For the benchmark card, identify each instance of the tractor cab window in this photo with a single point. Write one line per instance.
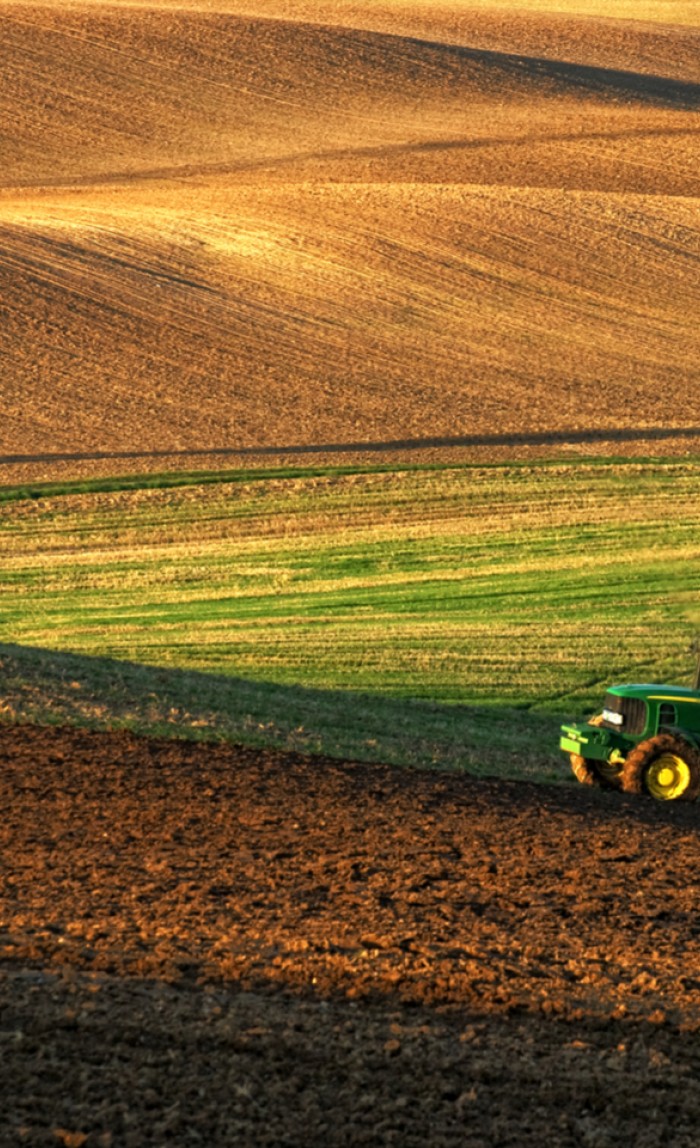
(667, 714)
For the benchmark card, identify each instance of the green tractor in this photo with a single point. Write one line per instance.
(646, 740)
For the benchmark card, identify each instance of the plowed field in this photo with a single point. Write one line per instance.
(240, 231)
(207, 944)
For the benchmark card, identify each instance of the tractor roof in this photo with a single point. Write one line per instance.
(655, 691)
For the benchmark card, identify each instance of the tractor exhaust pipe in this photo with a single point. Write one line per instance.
(695, 649)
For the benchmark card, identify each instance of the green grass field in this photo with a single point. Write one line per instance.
(448, 616)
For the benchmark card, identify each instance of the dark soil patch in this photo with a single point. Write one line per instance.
(213, 945)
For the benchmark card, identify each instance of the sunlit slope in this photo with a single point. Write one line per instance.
(647, 36)
(341, 314)
(224, 232)
(105, 94)
(359, 13)
(114, 94)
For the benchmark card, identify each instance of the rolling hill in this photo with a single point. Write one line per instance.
(275, 230)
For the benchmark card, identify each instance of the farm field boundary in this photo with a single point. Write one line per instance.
(167, 479)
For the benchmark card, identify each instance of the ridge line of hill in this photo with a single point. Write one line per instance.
(467, 143)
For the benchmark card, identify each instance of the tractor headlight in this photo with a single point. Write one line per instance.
(613, 718)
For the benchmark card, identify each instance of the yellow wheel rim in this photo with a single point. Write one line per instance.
(668, 777)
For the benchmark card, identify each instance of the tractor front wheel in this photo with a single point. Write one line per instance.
(583, 770)
(597, 773)
(666, 767)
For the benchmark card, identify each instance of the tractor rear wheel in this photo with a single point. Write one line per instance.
(666, 767)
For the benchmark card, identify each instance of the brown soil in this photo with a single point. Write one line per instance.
(236, 236)
(213, 945)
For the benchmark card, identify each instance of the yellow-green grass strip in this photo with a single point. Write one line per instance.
(448, 616)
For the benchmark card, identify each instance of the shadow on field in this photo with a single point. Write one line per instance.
(245, 1068)
(583, 79)
(46, 686)
(527, 438)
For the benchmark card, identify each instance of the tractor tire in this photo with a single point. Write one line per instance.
(584, 771)
(597, 773)
(665, 767)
